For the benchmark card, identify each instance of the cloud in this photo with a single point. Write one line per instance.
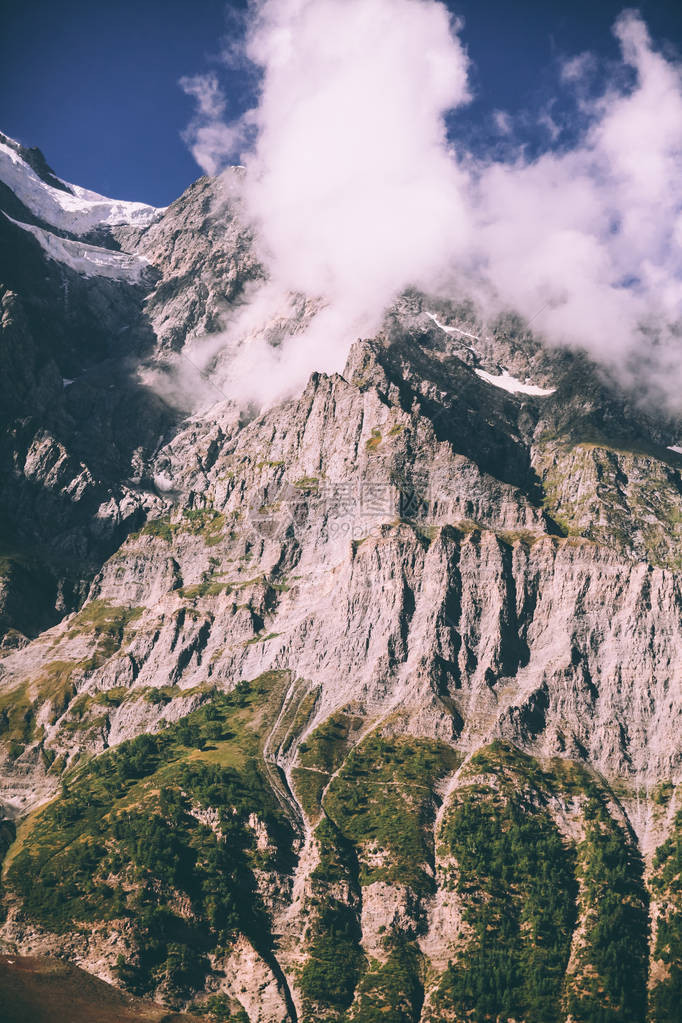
(350, 180)
(503, 122)
(211, 102)
(588, 239)
(211, 141)
(357, 192)
(351, 175)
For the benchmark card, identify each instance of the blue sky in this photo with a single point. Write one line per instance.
(95, 85)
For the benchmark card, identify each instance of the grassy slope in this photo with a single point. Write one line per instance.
(127, 841)
(555, 926)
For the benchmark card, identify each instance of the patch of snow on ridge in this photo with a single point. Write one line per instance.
(452, 330)
(88, 260)
(77, 211)
(675, 448)
(513, 385)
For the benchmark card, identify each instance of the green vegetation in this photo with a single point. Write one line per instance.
(111, 697)
(78, 721)
(334, 959)
(392, 992)
(523, 887)
(338, 857)
(160, 528)
(221, 1009)
(516, 882)
(262, 637)
(326, 747)
(128, 838)
(107, 623)
(309, 786)
(382, 800)
(82, 711)
(524, 536)
(56, 686)
(256, 580)
(18, 707)
(666, 885)
(16, 715)
(301, 703)
(375, 440)
(207, 523)
(319, 756)
(627, 498)
(335, 971)
(663, 793)
(164, 694)
(426, 533)
(377, 826)
(304, 712)
(206, 588)
(8, 834)
(610, 986)
(158, 834)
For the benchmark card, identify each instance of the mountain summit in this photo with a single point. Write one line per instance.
(362, 706)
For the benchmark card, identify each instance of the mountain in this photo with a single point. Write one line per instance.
(362, 707)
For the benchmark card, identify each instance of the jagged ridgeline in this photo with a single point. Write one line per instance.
(363, 709)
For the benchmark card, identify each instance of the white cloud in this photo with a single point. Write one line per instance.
(503, 122)
(591, 233)
(351, 175)
(211, 102)
(211, 140)
(576, 69)
(357, 192)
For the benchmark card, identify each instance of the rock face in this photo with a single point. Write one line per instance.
(365, 707)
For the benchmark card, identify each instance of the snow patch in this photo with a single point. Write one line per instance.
(88, 260)
(513, 385)
(675, 448)
(78, 210)
(452, 330)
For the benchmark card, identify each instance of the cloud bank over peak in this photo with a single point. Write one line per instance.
(358, 192)
(590, 236)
